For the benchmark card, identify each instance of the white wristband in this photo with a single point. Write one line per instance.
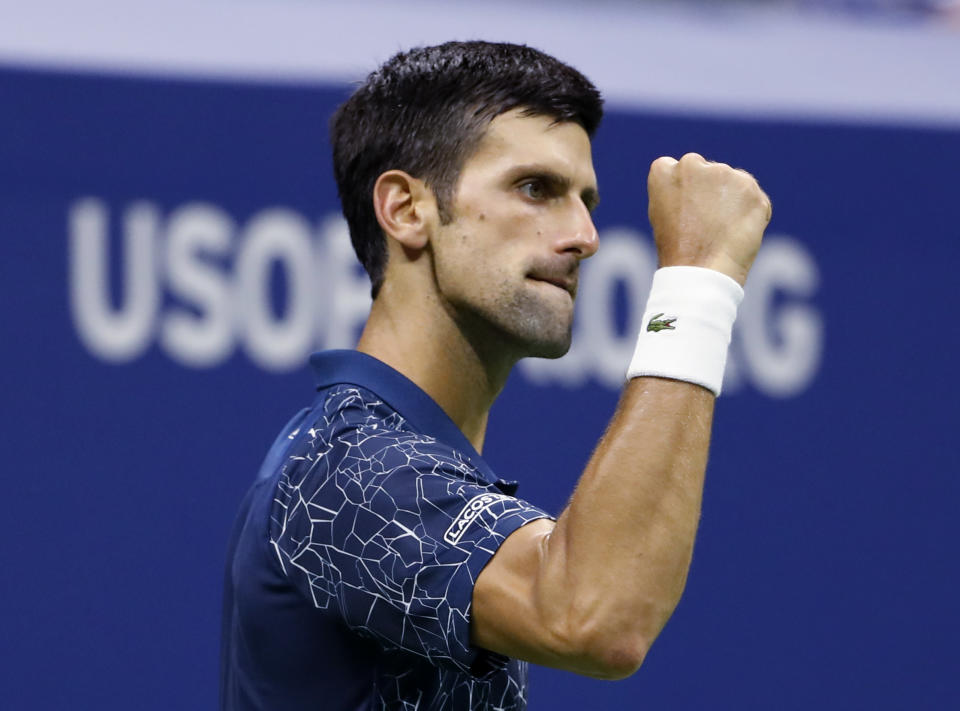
(686, 326)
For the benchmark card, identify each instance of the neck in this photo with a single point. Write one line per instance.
(431, 349)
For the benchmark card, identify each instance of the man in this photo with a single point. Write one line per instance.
(378, 563)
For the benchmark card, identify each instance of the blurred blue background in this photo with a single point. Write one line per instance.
(172, 252)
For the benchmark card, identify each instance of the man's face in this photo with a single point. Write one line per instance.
(506, 265)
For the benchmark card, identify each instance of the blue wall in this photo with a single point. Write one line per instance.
(139, 398)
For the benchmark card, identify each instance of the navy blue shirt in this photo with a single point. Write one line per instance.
(351, 566)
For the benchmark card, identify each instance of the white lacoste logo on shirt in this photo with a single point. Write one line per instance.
(475, 506)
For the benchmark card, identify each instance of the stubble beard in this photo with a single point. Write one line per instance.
(519, 323)
(539, 331)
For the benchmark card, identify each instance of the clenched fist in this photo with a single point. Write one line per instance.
(706, 214)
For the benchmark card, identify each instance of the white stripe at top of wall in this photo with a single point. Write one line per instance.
(732, 62)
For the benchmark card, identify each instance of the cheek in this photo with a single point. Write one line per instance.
(476, 266)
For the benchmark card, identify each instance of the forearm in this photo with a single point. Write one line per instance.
(614, 567)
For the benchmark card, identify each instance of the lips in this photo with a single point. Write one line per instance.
(559, 270)
(567, 283)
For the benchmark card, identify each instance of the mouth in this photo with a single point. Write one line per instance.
(568, 284)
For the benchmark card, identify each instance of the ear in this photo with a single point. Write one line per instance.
(406, 208)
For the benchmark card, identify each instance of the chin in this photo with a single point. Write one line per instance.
(544, 335)
(537, 329)
(525, 325)
(548, 348)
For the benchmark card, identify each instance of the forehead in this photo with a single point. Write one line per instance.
(514, 139)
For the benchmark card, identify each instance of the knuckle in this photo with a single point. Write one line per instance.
(725, 170)
(661, 170)
(747, 182)
(692, 163)
(760, 199)
(662, 164)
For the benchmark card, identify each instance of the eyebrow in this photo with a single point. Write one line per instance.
(590, 196)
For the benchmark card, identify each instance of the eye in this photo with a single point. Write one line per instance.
(533, 189)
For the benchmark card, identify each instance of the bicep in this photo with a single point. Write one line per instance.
(524, 606)
(516, 610)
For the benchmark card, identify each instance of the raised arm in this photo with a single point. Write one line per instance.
(592, 592)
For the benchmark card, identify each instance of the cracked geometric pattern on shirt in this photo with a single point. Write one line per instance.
(358, 522)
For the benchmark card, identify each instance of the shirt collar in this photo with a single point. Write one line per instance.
(404, 396)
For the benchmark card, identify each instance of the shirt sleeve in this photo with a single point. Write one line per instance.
(391, 530)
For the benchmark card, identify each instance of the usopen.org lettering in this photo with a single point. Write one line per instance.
(202, 286)
(476, 506)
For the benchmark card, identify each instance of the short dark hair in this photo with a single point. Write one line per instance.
(425, 112)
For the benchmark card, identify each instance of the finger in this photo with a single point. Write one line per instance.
(663, 163)
(661, 169)
(695, 159)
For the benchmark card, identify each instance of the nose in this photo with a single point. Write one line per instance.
(579, 235)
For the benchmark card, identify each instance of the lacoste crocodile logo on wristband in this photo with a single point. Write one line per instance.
(658, 324)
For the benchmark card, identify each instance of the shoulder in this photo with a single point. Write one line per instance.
(352, 406)
(353, 438)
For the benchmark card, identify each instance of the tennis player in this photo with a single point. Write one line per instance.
(377, 562)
